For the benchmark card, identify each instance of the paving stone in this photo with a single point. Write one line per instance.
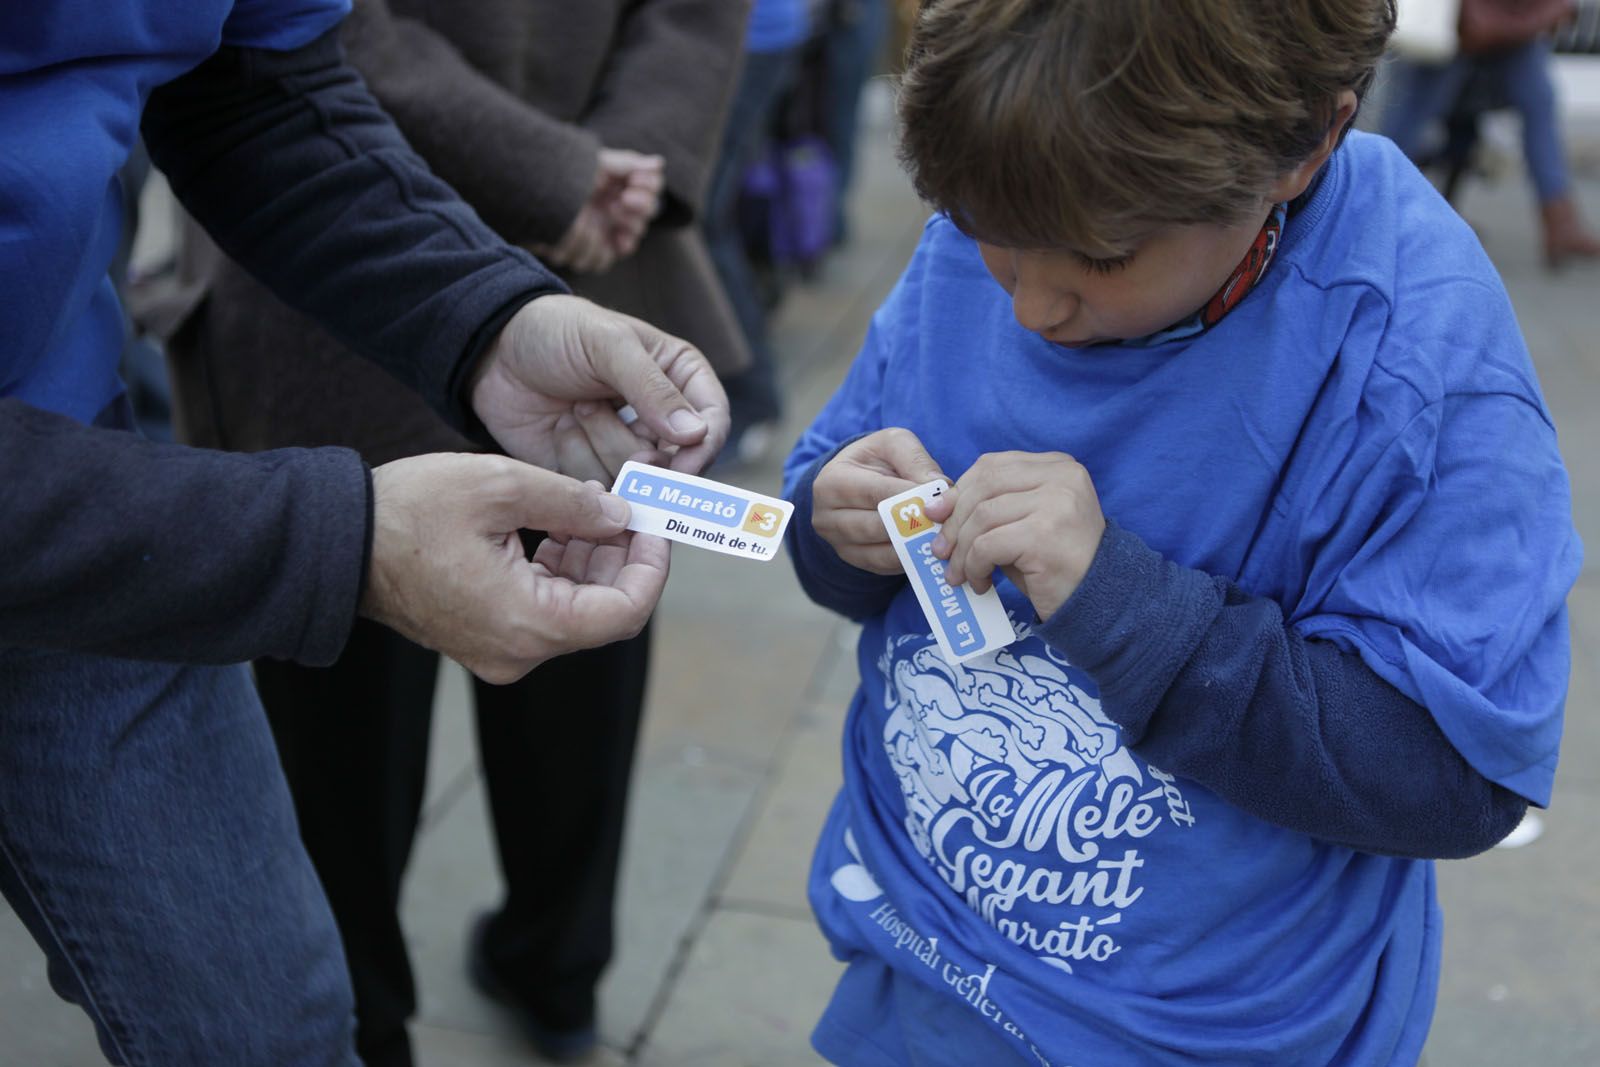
(748, 996)
(1580, 742)
(1522, 936)
(452, 878)
(440, 1047)
(435, 1046)
(682, 822)
(725, 682)
(36, 1026)
(776, 853)
(453, 746)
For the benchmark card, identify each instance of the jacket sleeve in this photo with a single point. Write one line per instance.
(826, 578)
(524, 171)
(119, 546)
(1212, 684)
(291, 165)
(666, 90)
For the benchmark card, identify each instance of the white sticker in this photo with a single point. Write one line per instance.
(701, 512)
(966, 624)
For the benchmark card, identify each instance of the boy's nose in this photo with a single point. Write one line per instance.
(1040, 308)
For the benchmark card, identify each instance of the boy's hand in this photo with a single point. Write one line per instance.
(845, 496)
(1034, 515)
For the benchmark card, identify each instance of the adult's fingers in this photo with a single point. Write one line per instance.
(601, 613)
(536, 499)
(686, 405)
(611, 440)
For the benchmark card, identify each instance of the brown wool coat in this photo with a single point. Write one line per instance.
(509, 101)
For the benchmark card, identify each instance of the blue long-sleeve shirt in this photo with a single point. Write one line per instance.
(1324, 634)
(1212, 684)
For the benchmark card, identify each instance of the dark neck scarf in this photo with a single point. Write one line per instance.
(1251, 269)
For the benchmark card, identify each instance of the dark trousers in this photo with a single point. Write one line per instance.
(556, 750)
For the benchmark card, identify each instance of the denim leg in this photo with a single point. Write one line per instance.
(854, 42)
(148, 843)
(754, 393)
(1525, 73)
(1418, 95)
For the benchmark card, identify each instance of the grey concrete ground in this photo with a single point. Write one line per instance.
(720, 964)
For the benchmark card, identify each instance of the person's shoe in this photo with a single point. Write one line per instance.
(552, 1044)
(748, 445)
(1564, 234)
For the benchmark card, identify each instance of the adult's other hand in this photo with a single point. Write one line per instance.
(551, 383)
(448, 569)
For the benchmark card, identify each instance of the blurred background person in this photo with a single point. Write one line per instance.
(586, 133)
(777, 31)
(1505, 51)
(854, 43)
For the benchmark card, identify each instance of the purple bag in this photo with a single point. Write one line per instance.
(789, 203)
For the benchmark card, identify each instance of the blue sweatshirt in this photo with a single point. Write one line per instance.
(120, 547)
(1151, 836)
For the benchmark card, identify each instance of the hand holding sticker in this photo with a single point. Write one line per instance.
(701, 512)
(966, 623)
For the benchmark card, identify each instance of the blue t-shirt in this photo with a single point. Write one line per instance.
(1363, 441)
(74, 78)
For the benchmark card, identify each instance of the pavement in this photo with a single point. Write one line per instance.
(719, 963)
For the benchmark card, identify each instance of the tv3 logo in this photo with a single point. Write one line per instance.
(909, 517)
(762, 520)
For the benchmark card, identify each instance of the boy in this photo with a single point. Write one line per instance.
(1239, 409)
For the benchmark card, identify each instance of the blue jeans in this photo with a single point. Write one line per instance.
(855, 40)
(763, 80)
(148, 843)
(1422, 93)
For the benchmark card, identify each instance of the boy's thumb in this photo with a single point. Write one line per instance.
(907, 456)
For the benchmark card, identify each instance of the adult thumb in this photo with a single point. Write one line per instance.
(538, 499)
(631, 364)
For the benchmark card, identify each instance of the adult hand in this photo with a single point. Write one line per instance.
(1034, 515)
(550, 385)
(633, 195)
(845, 496)
(586, 247)
(448, 569)
(609, 226)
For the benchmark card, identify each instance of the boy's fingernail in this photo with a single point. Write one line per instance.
(940, 545)
(615, 508)
(685, 421)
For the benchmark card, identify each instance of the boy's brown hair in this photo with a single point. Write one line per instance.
(1087, 124)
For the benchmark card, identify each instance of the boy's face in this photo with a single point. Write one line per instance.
(1073, 301)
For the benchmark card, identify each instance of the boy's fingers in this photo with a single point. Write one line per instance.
(879, 559)
(974, 519)
(993, 548)
(854, 526)
(868, 489)
(904, 454)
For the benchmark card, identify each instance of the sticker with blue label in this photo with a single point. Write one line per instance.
(701, 512)
(966, 624)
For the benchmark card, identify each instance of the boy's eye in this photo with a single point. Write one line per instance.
(1102, 266)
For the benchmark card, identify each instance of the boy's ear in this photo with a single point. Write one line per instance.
(1292, 183)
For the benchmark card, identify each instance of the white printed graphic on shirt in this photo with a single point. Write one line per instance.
(1021, 795)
